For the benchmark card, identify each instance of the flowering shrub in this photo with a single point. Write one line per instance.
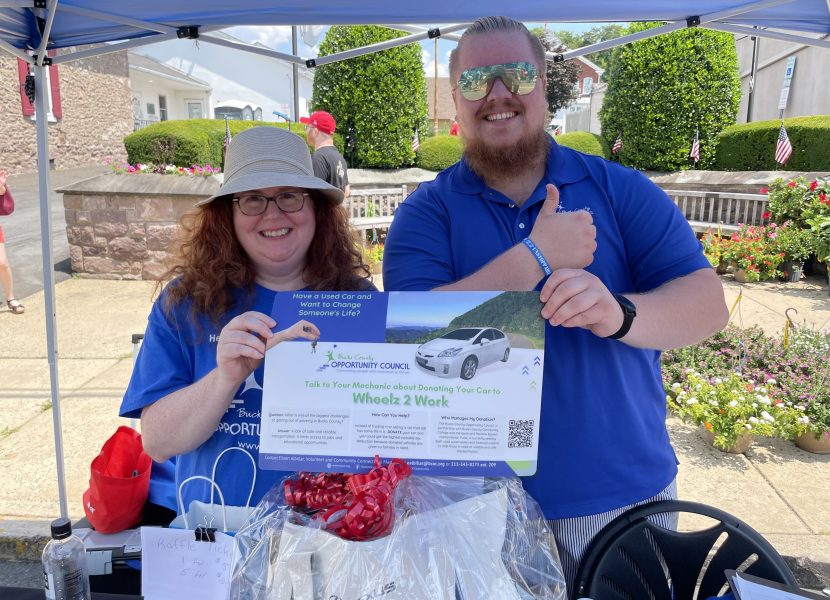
(798, 200)
(373, 254)
(198, 170)
(794, 242)
(730, 406)
(801, 370)
(755, 249)
(807, 380)
(714, 248)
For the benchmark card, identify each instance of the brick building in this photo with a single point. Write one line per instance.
(89, 113)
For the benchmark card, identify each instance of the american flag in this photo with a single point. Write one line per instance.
(695, 153)
(615, 149)
(416, 143)
(783, 148)
(227, 139)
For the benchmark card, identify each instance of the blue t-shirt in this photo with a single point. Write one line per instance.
(174, 355)
(603, 443)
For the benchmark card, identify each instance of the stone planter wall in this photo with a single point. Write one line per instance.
(124, 226)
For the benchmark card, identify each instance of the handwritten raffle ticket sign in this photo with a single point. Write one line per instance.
(449, 381)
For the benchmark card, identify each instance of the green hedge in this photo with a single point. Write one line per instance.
(194, 141)
(583, 141)
(751, 147)
(438, 152)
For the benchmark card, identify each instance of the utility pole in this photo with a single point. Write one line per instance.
(296, 73)
(435, 90)
(752, 75)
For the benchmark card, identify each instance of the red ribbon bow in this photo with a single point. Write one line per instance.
(355, 507)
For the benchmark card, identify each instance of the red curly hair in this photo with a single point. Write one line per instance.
(210, 261)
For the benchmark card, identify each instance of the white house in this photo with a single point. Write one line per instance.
(162, 93)
(236, 78)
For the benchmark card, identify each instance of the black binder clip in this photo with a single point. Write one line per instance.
(205, 534)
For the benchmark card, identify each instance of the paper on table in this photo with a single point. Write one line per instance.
(175, 565)
(129, 539)
(749, 590)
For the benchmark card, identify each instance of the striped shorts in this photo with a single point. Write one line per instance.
(574, 535)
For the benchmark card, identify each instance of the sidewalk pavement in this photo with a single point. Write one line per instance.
(779, 490)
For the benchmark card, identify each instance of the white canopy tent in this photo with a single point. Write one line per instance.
(36, 26)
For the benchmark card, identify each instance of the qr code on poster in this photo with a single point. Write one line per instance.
(520, 433)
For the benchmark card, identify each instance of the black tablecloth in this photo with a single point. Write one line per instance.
(11, 593)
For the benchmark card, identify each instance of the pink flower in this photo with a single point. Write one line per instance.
(814, 185)
(792, 184)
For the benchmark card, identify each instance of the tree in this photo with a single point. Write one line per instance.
(574, 40)
(661, 89)
(562, 76)
(380, 96)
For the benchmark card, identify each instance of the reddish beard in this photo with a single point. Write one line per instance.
(510, 162)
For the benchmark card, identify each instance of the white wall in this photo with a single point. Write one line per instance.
(234, 74)
(149, 87)
(808, 88)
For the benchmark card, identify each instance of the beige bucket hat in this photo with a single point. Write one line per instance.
(263, 157)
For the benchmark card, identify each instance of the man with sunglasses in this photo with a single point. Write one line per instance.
(620, 274)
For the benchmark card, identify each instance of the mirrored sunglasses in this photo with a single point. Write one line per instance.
(519, 77)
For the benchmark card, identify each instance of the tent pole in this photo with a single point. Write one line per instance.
(295, 72)
(42, 92)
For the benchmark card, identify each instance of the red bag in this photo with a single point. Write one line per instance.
(118, 483)
(6, 203)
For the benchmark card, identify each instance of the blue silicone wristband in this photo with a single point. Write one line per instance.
(537, 254)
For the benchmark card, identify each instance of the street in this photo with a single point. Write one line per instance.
(22, 229)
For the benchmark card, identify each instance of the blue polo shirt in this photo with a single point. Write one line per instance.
(603, 443)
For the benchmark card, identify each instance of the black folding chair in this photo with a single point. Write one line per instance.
(632, 558)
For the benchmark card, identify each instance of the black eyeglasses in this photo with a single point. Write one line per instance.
(256, 204)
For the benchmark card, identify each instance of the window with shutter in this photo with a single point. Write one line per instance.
(52, 84)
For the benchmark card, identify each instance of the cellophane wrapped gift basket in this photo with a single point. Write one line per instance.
(387, 535)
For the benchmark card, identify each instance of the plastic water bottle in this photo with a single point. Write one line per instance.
(65, 573)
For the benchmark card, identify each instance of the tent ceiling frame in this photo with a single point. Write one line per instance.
(117, 47)
(691, 21)
(252, 49)
(822, 42)
(452, 37)
(137, 23)
(40, 53)
(16, 52)
(402, 41)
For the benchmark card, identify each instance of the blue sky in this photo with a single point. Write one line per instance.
(279, 38)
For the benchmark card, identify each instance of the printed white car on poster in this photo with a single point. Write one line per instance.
(461, 352)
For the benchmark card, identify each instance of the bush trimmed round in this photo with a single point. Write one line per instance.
(587, 143)
(194, 141)
(439, 152)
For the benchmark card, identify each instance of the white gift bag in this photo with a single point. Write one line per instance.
(209, 514)
(313, 563)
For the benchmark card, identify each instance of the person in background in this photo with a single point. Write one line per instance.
(620, 274)
(6, 279)
(197, 384)
(329, 164)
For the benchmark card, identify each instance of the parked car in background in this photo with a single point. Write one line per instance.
(461, 352)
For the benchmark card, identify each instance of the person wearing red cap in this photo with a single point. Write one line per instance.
(328, 163)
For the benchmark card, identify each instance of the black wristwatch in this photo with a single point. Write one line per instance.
(629, 312)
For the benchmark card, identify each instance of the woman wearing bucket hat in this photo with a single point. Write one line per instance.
(197, 384)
